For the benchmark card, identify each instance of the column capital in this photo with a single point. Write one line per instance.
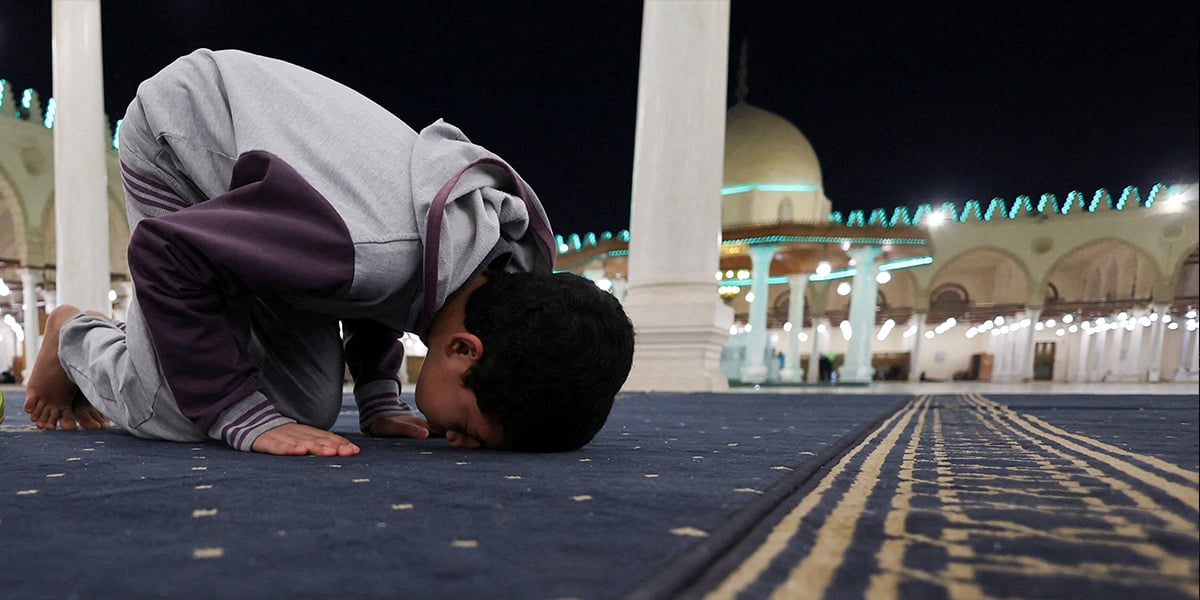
(864, 253)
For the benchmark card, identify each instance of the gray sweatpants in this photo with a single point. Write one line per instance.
(299, 353)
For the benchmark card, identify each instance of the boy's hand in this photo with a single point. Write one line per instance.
(409, 426)
(294, 439)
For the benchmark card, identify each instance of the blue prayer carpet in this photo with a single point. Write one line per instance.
(681, 495)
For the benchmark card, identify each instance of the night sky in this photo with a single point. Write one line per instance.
(904, 102)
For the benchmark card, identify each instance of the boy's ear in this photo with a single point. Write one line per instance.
(464, 345)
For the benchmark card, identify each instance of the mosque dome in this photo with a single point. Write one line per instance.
(763, 148)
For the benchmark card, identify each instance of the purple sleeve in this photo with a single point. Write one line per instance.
(272, 233)
(373, 350)
(374, 356)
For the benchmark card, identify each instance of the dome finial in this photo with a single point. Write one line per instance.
(743, 74)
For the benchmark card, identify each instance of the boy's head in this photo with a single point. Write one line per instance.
(540, 356)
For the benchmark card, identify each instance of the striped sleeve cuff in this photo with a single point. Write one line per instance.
(241, 424)
(378, 399)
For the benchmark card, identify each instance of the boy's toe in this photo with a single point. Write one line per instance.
(67, 420)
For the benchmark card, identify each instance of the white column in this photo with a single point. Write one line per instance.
(80, 204)
(1027, 344)
(857, 366)
(1157, 335)
(914, 362)
(791, 367)
(619, 287)
(1082, 368)
(996, 349)
(1116, 353)
(31, 325)
(1195, 359)
(754, 370)
(679, 150)
(1133, 356)
(1003, 365)
(1180, 372)
(820, 334)
(1012, 346)
(1099, 356)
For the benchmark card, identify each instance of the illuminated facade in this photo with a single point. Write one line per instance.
(1086, 287)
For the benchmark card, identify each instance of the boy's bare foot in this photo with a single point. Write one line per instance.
(51, 399)
(294, 439)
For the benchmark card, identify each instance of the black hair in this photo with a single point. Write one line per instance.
(556, 350)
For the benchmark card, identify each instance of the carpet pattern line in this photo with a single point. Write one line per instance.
(963, 497)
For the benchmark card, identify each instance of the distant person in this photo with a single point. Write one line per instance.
(270, 205)
(824, 369)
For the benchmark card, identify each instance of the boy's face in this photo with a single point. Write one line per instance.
(450, 407)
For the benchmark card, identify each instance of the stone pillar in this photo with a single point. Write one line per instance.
(914, 362)
(1099, 356)
(820, 333)
(619, 287)
(1116, 353)
(1194, 368)
(32, 324)
(1157, 334)
(754, 370)
(857, 366)
(679, 146)
(1003, 365)
(1081, 362)
(1133, 357)
(791, 369)
(80, 190)
(1027, 344)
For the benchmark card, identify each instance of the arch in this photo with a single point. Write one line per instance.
(781, 301)
(1103, 269)
(11, 206)
(904, 288)
(991, 275)
(1186, 274)
(1052, 294)
(949, 293)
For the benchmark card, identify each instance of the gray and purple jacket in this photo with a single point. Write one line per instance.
(274, 181)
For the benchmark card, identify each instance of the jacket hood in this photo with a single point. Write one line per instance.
(468, 202)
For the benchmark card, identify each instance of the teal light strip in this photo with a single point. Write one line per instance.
(840, 274)
(891, 265)
(769, 187)
(822, 239)
(904, 263)
(777, 280)
(51, 109)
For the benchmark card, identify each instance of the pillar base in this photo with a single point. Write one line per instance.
(755, 374)
(855, 373)
(1182, 374)
(791, 375)
(681, 330)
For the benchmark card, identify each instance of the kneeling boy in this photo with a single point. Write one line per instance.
(285, 227)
